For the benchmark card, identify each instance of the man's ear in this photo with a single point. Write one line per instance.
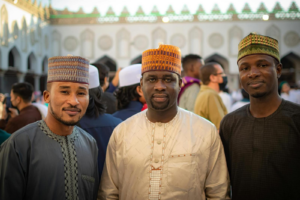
(46, 95)
(279, 70)
(141, 81)
(180, 82)
(139, 90)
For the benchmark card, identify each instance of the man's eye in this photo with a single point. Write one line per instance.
(152, 80)
(168, 80)
(81, 93)
(63, 92)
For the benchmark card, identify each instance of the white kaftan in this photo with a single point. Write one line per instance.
(183, 159)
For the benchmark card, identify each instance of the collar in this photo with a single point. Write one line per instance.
(207, 88)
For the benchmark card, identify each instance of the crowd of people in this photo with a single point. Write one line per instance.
(154, 131)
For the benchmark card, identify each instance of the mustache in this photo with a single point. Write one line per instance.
(74, 109)
(160, 95)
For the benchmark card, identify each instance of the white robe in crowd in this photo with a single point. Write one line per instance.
(182, 159)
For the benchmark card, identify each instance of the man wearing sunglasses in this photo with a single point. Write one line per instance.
(208, 103)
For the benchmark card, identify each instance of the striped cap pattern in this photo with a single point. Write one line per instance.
(68, 69)
(165, 58)
(258, 44)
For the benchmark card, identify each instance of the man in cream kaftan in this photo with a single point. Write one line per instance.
(164, 152)
(192, 165)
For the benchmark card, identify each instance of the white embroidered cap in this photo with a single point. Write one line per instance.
(94, 77)
(130, 75)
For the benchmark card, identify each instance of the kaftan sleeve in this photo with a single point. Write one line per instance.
(109, 184)
(96, 171)
(12, 175)
(217, 183)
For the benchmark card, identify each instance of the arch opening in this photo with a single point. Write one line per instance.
(290, 69)
(14, 58)
(219, 59)
(136, 60)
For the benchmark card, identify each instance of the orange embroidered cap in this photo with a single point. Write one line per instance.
(165, 58)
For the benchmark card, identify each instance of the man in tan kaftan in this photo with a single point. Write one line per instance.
(164, 152)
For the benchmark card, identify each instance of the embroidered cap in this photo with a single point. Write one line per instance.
(165, 58)
(68, 69)
(258, 44)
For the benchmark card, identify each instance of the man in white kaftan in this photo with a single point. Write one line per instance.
(152, 158)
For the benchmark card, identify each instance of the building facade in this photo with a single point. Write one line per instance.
(118, 40)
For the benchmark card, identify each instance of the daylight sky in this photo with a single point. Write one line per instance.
(162, 5)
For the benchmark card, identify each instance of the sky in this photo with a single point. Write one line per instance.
(162, 5)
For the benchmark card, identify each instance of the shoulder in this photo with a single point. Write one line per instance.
(26, 133)
(188, 117)
(111, 119)
(237, 114)
(291, 107)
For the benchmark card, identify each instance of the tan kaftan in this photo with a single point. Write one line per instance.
(182, 159)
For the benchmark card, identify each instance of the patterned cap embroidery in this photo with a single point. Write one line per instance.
(258, 44)
(165, 58)
(68, 69)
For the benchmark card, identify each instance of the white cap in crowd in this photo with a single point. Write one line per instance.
(130, 75)
(94, 77)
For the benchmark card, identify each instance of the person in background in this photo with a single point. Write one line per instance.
(164, 152)
(36, 101)
(209, 103)
(242, 102)
(261, 140)
(225, 96)
(191, 82)
(21, 95)
(53, 158)
(289, 94)
(3, 134)
(129, 95)
(95, 121)
(107, 98)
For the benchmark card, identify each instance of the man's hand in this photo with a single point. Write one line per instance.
(115, 80)
(4, 113)
(13, 112)
(2, 97)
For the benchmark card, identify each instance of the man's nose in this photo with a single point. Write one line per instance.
(160, 85)
(254, 72)
(73, 100)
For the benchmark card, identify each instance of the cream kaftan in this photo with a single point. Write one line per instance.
(183, 159)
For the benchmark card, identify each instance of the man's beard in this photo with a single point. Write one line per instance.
(160, 108)
(72, 123)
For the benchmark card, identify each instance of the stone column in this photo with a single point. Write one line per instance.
(2, 72)
(21, 77)
(37, 82)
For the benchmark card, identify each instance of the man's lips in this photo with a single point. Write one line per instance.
(72, 111)
(160, 97)
(255, 84)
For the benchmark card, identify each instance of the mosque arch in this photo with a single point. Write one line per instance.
(290, 68)
(14, 58)
(136, 60)
(24, 39)
(219, 59)
(43, 77)
(235, 36)
(56, 43)
(32, 63)
(159, 35)
(10, 77)
(195, 41)
(87, 39)
(4, 32)
(109, 62)
(123, 43)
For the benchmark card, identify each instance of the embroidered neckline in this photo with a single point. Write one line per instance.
(58, 138)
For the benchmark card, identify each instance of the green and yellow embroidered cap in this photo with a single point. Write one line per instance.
(258, 44)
